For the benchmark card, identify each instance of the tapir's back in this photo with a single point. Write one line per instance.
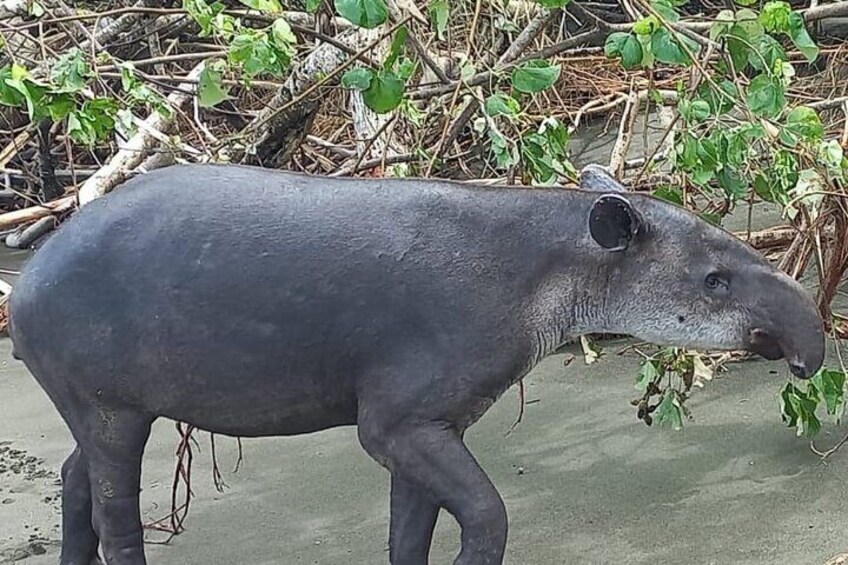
(235, 275)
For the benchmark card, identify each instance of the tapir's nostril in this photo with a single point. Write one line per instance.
(798, 368)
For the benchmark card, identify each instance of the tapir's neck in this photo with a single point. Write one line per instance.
(571, 278)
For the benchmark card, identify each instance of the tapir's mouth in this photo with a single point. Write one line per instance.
(764, 344)
(769, 347)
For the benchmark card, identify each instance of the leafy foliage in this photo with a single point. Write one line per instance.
(363, 13)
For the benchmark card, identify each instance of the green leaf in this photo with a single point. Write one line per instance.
(363, 13)
(9, 96)
(385, 92)
(313, 5)
(775, 17)
(721, 24)
(748, 26)
(505, 151)
(93, 122)
(746, 2)
(832, 156)
(500, 104)
(670, 411)
(645, 26)
(647, 374)
(262, 51)
(719, 103)
(666, 9)
(265, 6)
(831, 385)
(282, 33)
(666, 49)
(766, 96)
(669, 193)
(211, 90)
(626, 46)
(545, 152)
(203, 14)
(767, 54)
(694, 111)
(733, 183)
(708, 153)
(439, 13)
(739, 52)
(805, 123)
(802, 40)
(359, 78)
(60, 105)
(71, 71)
(405, 69)
(766, 188)
(33, 94)
(535, 76)
(554, 3)
(398, 41)
(799, 411)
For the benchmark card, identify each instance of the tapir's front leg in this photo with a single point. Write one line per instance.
(413, 518)
(432, 457)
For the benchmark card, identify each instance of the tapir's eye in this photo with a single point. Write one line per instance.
(714, 281)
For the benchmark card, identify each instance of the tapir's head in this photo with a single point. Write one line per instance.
(680, 281)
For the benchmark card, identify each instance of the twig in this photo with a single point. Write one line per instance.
(521, 404)
(625, 134)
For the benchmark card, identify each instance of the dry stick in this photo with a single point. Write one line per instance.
(625, 134)
(136, 149)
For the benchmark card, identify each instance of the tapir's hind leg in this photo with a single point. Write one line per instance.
(113, 442)
(433, 457)
(413, 518)
(79, 542)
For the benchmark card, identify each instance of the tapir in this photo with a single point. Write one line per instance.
(254, 302)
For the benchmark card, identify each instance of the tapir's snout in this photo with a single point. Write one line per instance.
(788, 327)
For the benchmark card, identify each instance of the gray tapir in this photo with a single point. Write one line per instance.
(253, 302)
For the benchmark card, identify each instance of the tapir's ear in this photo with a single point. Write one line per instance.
(596, 178)
(613, 223)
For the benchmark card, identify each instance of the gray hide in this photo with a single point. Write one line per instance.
(253, 302)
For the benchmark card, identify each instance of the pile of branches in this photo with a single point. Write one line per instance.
(94, 92)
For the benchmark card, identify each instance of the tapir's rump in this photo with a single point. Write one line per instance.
(254, 302)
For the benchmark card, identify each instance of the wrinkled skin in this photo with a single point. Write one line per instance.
(254, 303)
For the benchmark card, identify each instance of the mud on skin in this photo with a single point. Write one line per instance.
(403, 307)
